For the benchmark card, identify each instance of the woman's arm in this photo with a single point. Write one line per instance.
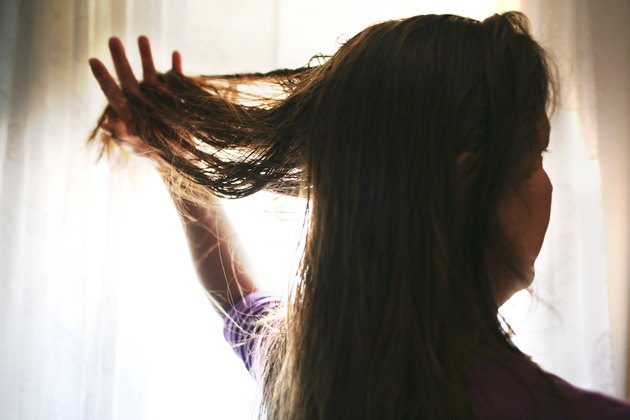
(215, 252)
(217, 256)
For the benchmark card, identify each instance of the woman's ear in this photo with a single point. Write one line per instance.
(464, 158)
(463, 162)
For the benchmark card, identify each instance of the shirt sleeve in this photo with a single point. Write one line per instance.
(242, 329)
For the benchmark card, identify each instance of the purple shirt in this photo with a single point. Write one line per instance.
(497, 394)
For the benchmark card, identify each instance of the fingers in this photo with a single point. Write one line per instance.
(148, 68)
(128, 81)
(110, 88)
(123, 69)
(177, 62)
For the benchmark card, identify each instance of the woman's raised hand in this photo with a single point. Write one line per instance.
(119, 126)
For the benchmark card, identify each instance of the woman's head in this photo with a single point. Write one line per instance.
(415, 142)
(422, 125)
(422, 145)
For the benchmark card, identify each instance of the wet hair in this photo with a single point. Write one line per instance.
(394, 298)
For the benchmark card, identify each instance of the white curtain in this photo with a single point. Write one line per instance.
(101, 316)
(566, 325)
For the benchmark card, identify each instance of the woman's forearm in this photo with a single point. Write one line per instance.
(216, 254)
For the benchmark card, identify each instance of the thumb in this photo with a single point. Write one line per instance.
(116, 129)
(177, 62)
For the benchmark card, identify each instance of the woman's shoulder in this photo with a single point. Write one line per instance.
(242, 326)
(592, 404)
(253, 304)
(499, 391)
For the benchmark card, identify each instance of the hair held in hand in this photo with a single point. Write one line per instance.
(231, 135)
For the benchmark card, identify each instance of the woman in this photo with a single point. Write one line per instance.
(418, 146)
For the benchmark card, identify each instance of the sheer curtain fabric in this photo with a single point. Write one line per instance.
(101, 316)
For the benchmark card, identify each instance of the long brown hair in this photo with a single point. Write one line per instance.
(394, 297)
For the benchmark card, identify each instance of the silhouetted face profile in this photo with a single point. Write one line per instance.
(525, 212)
